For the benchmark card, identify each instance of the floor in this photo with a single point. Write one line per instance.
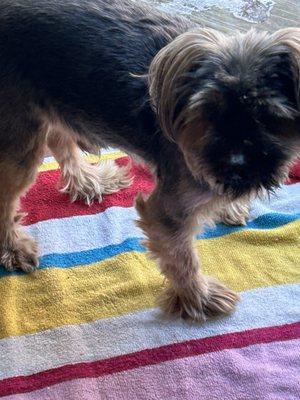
(229, 15)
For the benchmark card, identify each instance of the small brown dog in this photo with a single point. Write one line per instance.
(216, 116)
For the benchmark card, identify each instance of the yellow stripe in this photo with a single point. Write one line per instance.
(129, 282)
(91, 158)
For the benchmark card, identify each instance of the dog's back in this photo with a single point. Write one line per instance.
(78, 56)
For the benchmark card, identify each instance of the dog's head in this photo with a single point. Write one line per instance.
(232, 105)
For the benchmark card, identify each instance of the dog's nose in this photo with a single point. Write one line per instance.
(237, 159)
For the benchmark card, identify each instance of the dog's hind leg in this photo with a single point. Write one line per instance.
(79, 178)
(18, 167)
(169, 221)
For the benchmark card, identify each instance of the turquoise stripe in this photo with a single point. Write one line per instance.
(266, 221)
(91, 256)
(69, 260)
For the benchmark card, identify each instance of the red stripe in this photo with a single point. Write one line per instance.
(44, 201)
(23, 384)
(295, 173)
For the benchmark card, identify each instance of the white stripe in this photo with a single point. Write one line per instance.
(107, 338)
(109, 150)
(48, 160)
(85, 232)
(116, 224)
(285, 200)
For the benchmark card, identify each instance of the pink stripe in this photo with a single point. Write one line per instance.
(142, 358)
(268, 371)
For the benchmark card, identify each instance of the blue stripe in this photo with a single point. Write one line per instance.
(91, 256)
(266, 221)
(69, 260)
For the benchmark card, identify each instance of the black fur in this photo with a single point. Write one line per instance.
(79, 59)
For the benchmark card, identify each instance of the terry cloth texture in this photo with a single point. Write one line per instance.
(85, 327)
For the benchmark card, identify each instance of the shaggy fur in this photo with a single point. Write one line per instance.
(81, 180)
(215, 116)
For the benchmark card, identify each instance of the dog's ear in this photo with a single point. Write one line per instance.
(287, 43)
(174, 75)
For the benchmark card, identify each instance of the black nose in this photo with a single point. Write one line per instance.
(237, 159)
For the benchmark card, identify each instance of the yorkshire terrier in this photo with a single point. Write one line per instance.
(217, 117)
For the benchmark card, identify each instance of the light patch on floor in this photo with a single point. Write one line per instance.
(254, 11)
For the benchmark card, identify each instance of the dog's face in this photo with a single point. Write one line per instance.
(231, 103)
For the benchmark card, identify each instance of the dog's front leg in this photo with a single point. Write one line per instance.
(169, 223)
(236, 212)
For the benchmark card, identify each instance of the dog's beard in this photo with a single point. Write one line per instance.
(236, 186)
(233, 169)
(234, 172)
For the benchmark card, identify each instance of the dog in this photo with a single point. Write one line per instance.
(216, 117)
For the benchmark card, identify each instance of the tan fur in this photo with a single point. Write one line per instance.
(179, 57)
(17, 249)
(81, 180)
(235, 213)
(167, 68)
(188, 292)
(198, 302)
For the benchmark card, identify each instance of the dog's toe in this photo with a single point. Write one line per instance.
(22, 254)
(196, 304)
(220, 300)
(235, 214)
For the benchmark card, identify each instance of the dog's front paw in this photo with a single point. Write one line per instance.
(235, 214)
(219, 300)
(181, 304)
(22, 254)
(198, 304)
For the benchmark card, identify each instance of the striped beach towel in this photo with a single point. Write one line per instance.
(85, 327)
